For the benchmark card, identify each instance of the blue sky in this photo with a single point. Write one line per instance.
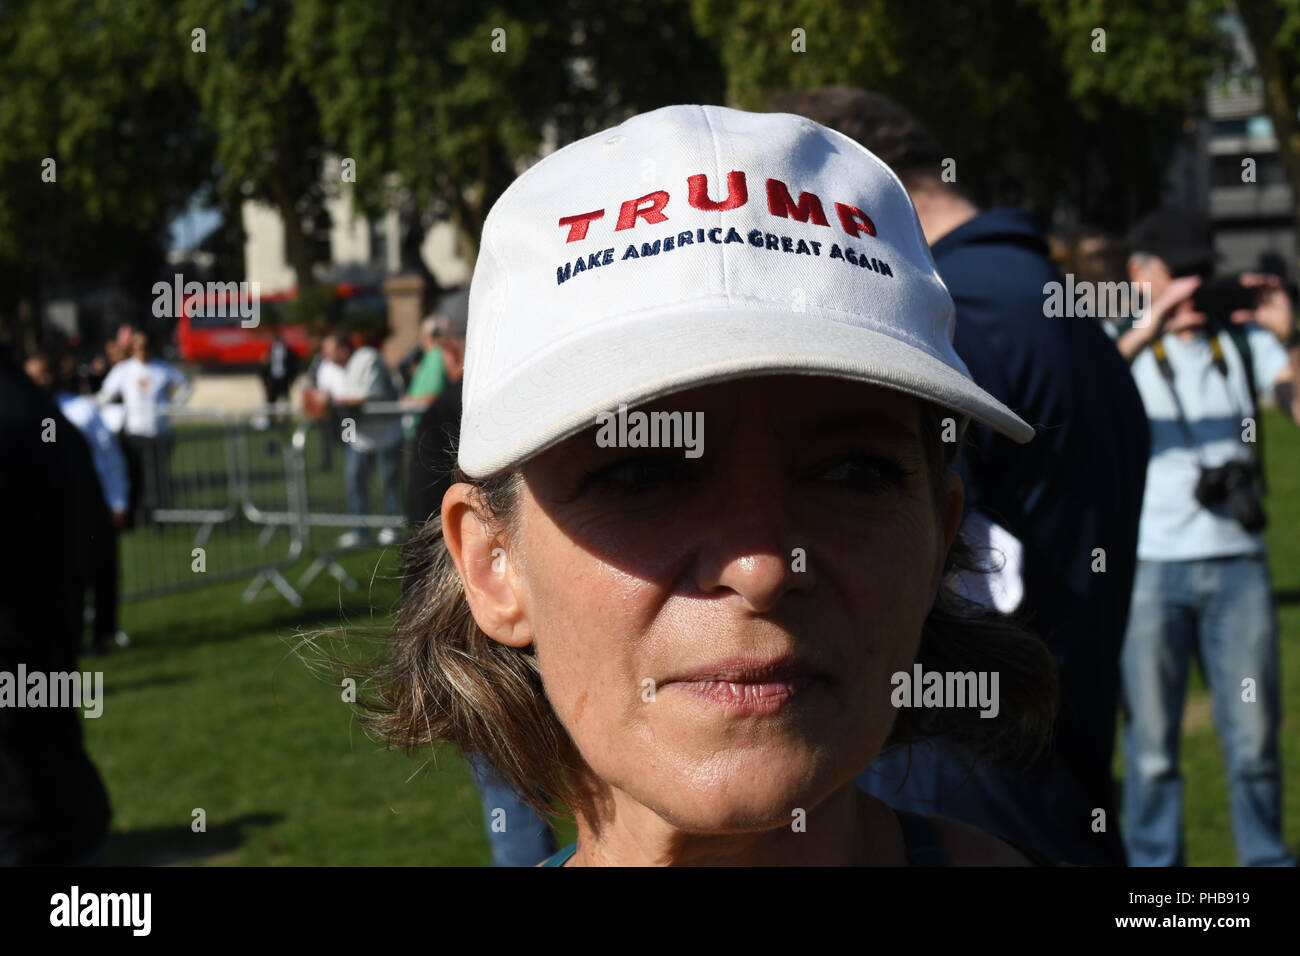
(193, 226)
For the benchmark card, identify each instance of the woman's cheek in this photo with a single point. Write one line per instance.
(588, 620)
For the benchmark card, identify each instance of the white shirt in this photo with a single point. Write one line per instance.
(333, 379)
(143, 387)
(83, 412)
(368, 378)
(1001, 554)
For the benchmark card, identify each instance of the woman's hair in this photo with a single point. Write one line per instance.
(443, 679)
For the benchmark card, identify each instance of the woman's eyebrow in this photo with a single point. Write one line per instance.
(856, 423)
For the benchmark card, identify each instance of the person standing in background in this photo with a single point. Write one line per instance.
(374, 439)
(54, 810)
(430, 378)
(1203, 585)
(145, 383)
(110, 467)
(433, 451)
(281, 369)
(326, 381)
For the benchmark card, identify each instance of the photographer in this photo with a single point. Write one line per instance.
(1201, 358)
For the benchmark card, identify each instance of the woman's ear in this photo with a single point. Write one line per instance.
(492, 587)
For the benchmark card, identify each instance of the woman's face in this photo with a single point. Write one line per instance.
(717, 633)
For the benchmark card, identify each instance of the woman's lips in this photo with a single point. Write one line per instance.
(748, 697)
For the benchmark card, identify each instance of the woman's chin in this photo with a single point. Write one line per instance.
(746, 797)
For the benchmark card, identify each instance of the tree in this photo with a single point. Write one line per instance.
(1017, 92)
(1274, 32)
(99, 145)
(256, 98)
(457, 104)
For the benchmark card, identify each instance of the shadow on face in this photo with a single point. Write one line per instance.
(801, 535)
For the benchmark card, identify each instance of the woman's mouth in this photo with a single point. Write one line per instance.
(747, 686)
(761, 697)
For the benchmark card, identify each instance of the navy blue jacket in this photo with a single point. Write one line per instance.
(1075, 487)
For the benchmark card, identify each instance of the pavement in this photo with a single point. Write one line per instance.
(233, 393)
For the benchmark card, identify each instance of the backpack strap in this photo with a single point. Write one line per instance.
(1241, 341)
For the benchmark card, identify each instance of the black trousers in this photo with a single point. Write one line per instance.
(148, 465)
(104, 578)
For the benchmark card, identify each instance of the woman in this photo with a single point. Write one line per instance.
(706, 516)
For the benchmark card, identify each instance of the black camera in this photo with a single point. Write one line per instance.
(1232, 487)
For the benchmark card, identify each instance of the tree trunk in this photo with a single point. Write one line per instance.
(1279, 80)
(300, 257)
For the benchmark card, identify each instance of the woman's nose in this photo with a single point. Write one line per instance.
(752, 549)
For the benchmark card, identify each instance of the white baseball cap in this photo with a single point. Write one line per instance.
(692, 245)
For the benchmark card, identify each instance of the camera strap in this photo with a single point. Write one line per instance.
(1221, 364)
(1239, 339)
(1167, 373)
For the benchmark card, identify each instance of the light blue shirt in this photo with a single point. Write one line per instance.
(1174, 525)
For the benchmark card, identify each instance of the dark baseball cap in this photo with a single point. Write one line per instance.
(1181, 238)
(452, 313)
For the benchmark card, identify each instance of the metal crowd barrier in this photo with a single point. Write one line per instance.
(321, 450)
(223, 497)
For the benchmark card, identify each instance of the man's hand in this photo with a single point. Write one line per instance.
(1161, 317)
(1273, 311)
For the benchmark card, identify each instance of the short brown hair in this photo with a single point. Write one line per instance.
(872, 119)
(443, 679)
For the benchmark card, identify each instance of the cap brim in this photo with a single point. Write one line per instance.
(637, 360)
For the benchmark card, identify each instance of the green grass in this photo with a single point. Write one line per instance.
(1209, 832)
(209, 708)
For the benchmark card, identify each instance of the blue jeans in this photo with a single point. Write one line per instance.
(1223, 609)
(356, 475)
(518, 836)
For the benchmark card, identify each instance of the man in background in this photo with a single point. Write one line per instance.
(1203, 585)
(433, 451)
(110, 467)
(373, 440)
(54, 809)
(1059, 513)
(281, 369)
(146, 384)
(430, 378)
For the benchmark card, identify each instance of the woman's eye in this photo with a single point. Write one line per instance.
(866, 472)
(642, 473)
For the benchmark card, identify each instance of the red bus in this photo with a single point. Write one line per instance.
(214, 335)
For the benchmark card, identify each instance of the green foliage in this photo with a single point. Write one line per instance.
(440, 107)
(1158, 54)
(430, 99)
(1012, 91)
(95, 86)
(258, 101)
